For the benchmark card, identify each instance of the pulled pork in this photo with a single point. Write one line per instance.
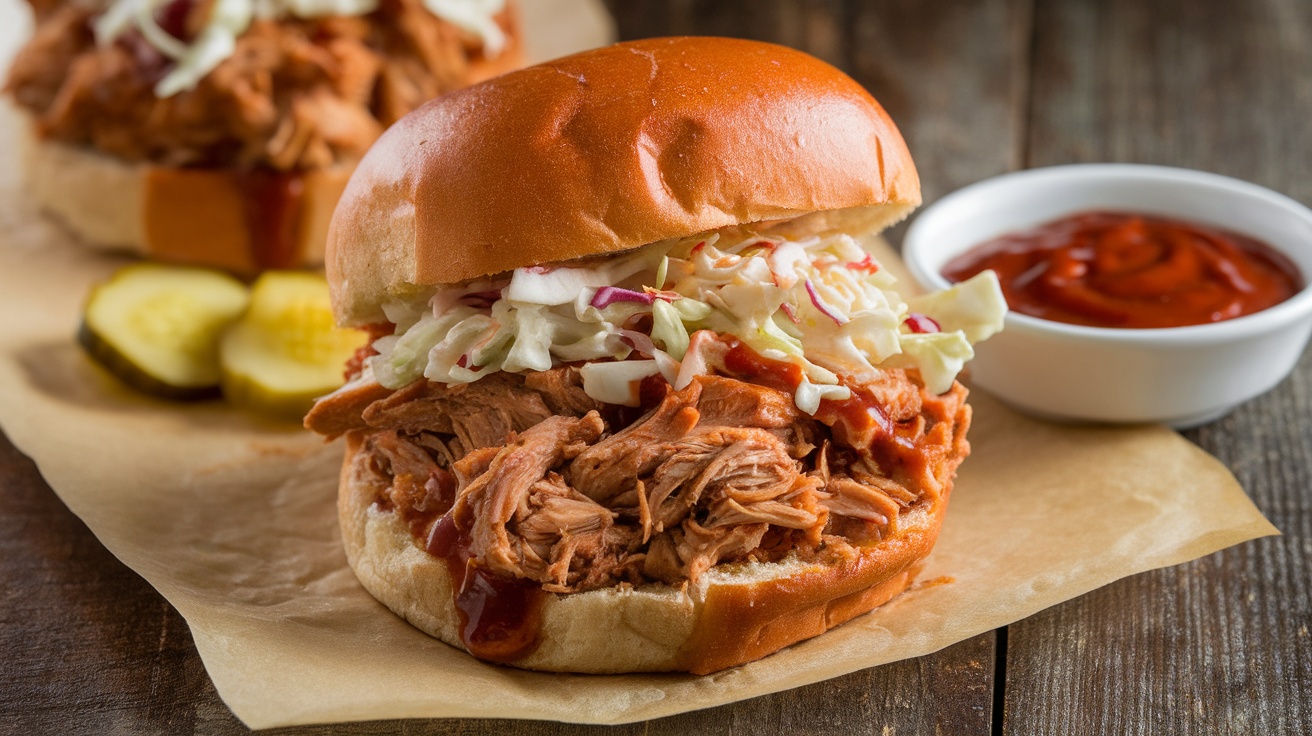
(548, 485)
(295, 94)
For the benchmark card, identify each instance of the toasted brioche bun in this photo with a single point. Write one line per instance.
(609, 150)
(734, 613)
(595, 154)
(193, 216)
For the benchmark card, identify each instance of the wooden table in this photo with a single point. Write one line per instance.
(1220, 645)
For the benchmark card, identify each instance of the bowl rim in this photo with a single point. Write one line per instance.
(1293, 309)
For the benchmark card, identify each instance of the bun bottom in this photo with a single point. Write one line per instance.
(203, 217)
(734, 613)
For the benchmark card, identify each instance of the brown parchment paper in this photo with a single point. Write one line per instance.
(232, 519)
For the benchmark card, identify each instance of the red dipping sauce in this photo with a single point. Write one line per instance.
(1116, 269)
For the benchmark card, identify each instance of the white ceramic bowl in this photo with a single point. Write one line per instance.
(1182, 376)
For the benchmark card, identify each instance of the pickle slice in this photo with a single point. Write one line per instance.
(285, 351)
(157, 327)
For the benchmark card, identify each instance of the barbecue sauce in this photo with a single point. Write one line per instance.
(273, 201)
(499, 617)
(859, 422)
(355, 365)
(1114, 269)
(852, 418)
(242, 221)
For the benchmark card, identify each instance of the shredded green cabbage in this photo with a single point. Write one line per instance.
(940, 356)
(974, 306)
(616, 382)
(667, 329)
(821, 303)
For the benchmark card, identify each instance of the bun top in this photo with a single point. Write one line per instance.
(609, 150)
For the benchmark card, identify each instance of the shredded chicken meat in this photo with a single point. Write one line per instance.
(554, 487)
(295, 94)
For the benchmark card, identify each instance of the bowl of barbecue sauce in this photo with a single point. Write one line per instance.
(1137, 293)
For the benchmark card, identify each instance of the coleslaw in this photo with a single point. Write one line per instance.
(229, 19)
(822, 303)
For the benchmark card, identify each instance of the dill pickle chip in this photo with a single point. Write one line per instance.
(285, 351)
(157, 327)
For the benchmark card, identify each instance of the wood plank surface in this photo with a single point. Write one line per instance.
(1220, 645)
(85, 642)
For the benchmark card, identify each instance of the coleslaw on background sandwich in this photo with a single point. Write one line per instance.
(221, 132)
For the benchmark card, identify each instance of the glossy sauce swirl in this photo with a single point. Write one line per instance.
(274, 204)
(860, 421)
(500, 617)
(1115, 269)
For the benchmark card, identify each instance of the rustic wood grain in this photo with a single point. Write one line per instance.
(954, 77)
(1220, 645)
(819, 28)
(85, 642)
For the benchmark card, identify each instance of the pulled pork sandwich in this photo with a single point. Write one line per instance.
(638, 400)
(221, 132)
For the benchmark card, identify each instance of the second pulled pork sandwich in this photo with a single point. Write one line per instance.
(221, 132)
(639, 400)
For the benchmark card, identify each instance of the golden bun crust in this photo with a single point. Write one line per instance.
(609, 150)
(193, 216)
(735, 613)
